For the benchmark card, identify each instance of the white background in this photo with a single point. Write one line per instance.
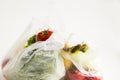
(97, 20)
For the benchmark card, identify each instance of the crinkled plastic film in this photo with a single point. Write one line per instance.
(44, 60)
(17, 53)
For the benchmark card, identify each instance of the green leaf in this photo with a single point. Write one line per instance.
(31, 40)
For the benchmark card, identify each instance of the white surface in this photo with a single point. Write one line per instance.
(97, 20)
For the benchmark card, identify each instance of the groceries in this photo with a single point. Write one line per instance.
(44, 57)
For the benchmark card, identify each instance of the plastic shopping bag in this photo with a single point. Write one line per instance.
(80, 62)
(41, 53)
(35, 61)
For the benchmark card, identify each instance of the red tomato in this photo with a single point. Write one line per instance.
(77, 75)
(43, 35)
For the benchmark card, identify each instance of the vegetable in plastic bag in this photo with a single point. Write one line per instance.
(36, 63)
(39, 60)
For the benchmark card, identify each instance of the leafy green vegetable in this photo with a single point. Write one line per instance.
(31, 40)
(75, 48)
(39, 65)
(83, 48)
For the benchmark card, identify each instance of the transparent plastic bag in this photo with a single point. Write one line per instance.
(81, 65)
(50, 57)
(40, 64)
(41, 60)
